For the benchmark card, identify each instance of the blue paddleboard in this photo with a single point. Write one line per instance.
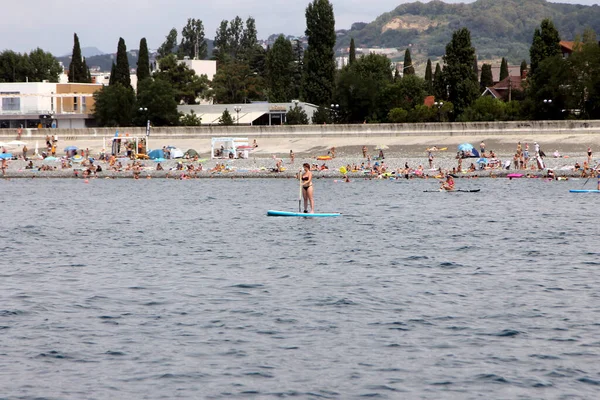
(273, 213)
(583, 191)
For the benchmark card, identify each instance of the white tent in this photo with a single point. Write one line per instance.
(230, 146)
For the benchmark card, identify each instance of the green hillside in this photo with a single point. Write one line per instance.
(499, 28)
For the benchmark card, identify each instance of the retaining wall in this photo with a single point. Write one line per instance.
(591, 127)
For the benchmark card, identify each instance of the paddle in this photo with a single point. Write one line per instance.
(300, 191)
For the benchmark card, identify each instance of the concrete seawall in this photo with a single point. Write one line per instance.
(505, 128)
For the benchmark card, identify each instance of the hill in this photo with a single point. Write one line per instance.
(499, 28)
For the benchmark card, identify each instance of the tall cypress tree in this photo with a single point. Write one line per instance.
(86, 76)
(122, 66)
(487, 79)
(458, 71)
(523, 67)
(143, 64)
(319, 62)
(280, 67)
(352, 55)
(428, 77)
(408, 66)
(111, 80)
(545, 44)
(439, 84)
(503, 69)
(76, 72)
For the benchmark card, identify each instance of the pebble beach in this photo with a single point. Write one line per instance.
(398, 152)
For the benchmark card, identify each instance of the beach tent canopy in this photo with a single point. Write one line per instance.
(158, 153)
(191, 153)
(230, 146)
(176, 153)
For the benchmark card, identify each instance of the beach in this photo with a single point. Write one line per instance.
(398, 152)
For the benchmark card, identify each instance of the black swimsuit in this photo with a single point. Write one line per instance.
(305, 178)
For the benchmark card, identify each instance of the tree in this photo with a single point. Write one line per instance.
(406, 93)
(190, 119)
(352, 53)
(523, 68)
(545, 44)
(78, 72)
(122, 66)
(187, 86)
(361, 89)
(458, 71)
(43, 66)
(248, 41)
(234, 83)
(298, 69)
(13, 67)
(408, 68)
(111, 80)
(321, 116)
(319, 63)
(485, 108)
(193, 42)
(296, 116)
(440, 90)
(143, 63)
(168, 46)
(157, 96)
(225, 118)
(503, 69)
(428, 78)
(487, 79)
(114, 105)
(280, 70)
(236, 43)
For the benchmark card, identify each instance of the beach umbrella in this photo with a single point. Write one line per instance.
(465, 147)
(482, 161)
(71, 148)
(7, 156)
(157, 160)
(381, 147)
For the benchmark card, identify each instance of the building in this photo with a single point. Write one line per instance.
(504, 89)
(201, 67)
(247, 114)
(46, 104)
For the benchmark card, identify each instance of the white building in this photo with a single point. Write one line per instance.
(201, 67)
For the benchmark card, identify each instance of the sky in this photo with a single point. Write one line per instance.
(28, 24)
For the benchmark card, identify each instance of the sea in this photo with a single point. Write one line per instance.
(185, 289)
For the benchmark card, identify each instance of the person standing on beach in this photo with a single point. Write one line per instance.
(364, 151)
(589, 153)
(25, 153)
(307, 188)
(481, 147)
(430, 157)
(292, 157)
(4, 166)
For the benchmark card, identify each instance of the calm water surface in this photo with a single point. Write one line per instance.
(169, 289)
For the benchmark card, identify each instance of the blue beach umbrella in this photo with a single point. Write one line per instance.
(465, 147)
(5, 155)
(70, 148)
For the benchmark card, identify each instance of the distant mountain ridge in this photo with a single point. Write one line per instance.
(499, 28)
(87, 52)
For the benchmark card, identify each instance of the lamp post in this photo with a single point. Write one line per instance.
(439, 105)
(334, 111)
(547, 104)
(145, 111)
(237, 109)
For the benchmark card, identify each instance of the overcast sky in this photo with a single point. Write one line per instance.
(27, 24)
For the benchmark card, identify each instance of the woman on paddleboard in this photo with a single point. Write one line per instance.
(307, 188)
(449, 184)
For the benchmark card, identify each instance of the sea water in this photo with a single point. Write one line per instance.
(163, 289)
